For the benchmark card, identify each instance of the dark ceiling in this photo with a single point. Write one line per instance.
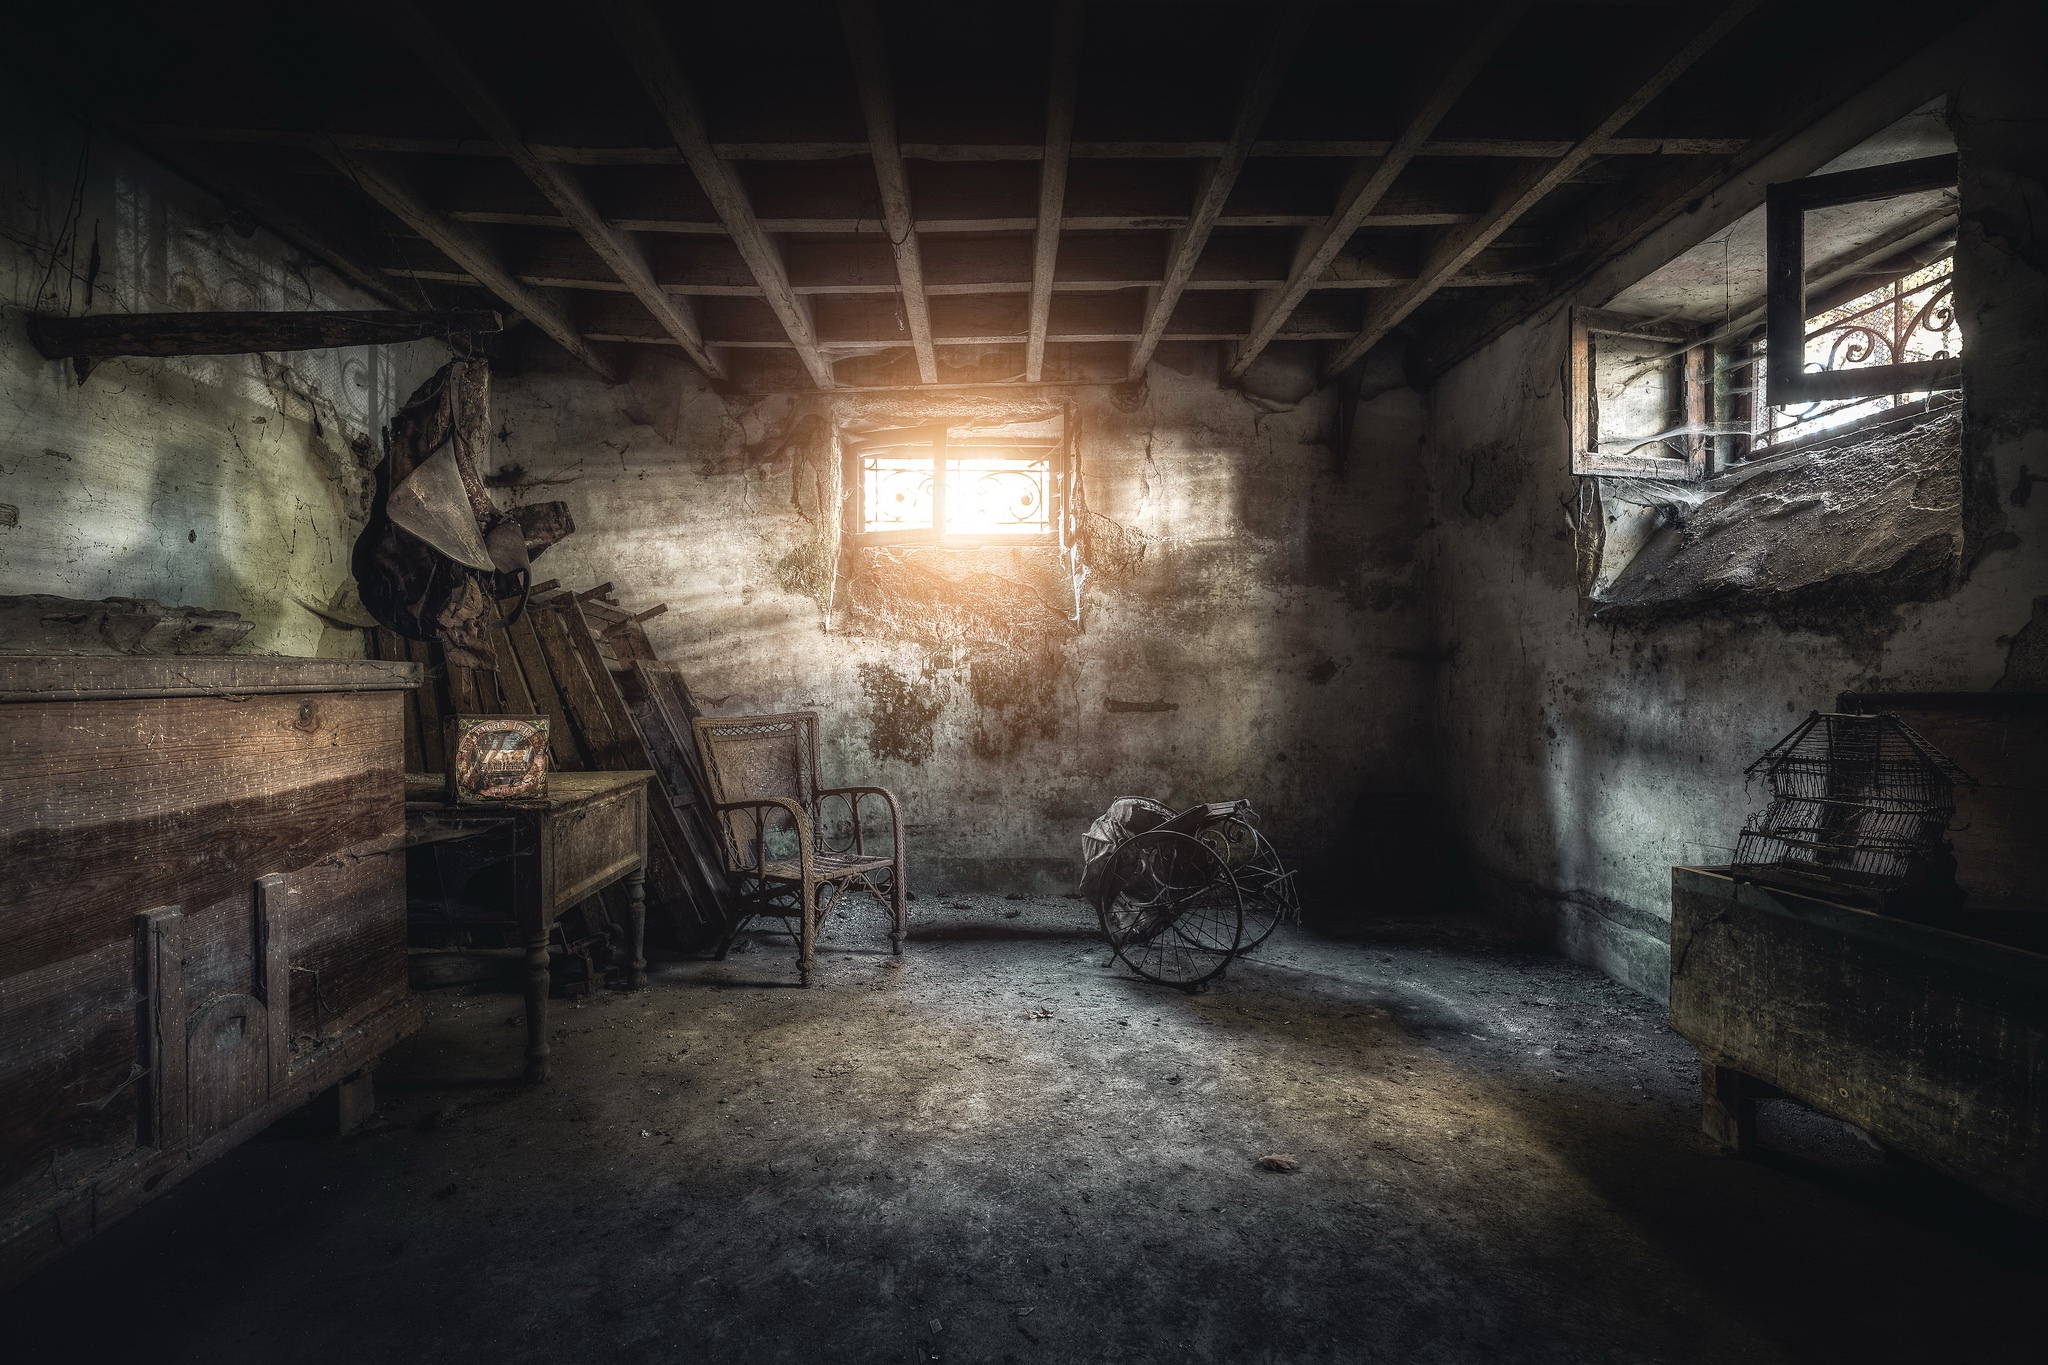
(797, 195)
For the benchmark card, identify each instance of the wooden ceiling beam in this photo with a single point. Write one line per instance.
(864, 42)
(468, 251)
(1622, 236)
(1260, 90)
(616, 248)
(1432, 215)
(1052, 175)
(1348, 274)
(1371, 178)
(1524, 191)
(661, 76)
(1345, 149)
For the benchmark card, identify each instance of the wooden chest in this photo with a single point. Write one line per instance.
(1933, 1041)
(202, 916)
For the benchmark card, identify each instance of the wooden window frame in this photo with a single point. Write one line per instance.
(1582, 400)
(1786, 206)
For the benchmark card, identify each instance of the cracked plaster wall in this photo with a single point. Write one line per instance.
(225, 482)
(1581, 759)
(1248, 594)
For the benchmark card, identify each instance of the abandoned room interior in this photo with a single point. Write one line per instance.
(1064, 680)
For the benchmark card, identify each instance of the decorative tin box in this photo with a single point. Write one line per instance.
(498, 758)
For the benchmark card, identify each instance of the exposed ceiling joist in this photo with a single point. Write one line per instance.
(864, 41)
(1260, 90)
(661, 75)
(1052, 176)
(1617, 244)
(1541, 149)
(463, 247)
(1460, 245)
(617, 249)
(1371, 179)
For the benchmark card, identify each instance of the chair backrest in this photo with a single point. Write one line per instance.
(749, 757)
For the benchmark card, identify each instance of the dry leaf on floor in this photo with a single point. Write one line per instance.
(1281, 1162)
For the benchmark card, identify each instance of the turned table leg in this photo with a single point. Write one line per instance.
(537, 1005)
(636, 926)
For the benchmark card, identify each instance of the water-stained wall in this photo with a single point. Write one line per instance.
(1581, 758)
(233, 483)
(1248, 624)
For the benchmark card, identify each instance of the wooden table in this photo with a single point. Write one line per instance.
(589, 833)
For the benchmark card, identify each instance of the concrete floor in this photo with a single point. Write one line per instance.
(1001, 1149)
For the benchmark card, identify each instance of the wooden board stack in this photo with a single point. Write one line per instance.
(585, 663)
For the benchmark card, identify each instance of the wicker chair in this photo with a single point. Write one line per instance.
(763, 776)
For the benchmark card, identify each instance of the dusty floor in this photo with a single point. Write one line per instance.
(1004, 1150)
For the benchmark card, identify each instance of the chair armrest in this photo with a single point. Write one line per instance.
(853, 796)
(882, 792)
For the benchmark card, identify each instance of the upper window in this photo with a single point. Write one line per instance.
(1909, 319)
(955, 488)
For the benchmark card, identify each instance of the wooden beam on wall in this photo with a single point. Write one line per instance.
(1451, 251)
(661, 75)
(1372, 178)
(100, 335)
(864, 41)
(1261, 88)
(1052, 176)
(617, 249)
(63, 79)
(467, 250)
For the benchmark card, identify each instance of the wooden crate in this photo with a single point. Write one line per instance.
(1933, 1041)
(202, 922)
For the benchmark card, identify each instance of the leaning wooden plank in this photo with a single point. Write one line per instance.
(512, 689)
(386, 644)
(432, 707)
(588, 717)
(568, 751)
(682, 782)
(634, 751)
(608, 738)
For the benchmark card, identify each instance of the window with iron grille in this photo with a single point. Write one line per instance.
(932, 485)
(1908, 319)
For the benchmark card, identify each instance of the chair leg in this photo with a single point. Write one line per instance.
(898, 915)
(807, 955)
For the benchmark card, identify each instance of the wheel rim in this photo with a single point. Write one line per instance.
(1174, 914)
(1264, 882)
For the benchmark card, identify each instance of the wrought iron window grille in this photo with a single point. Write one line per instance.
(1847, 367)
(941, 487)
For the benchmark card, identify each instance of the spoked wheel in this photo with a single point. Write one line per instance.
(1173, 912)
(1265, 883)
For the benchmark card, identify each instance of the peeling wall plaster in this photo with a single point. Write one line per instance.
(1581, 759)
(1248, 602)
(224, 482)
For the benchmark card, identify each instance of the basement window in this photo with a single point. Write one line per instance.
(1882, 334)
(951, 487)
(1639, 394)
(1909, 319)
